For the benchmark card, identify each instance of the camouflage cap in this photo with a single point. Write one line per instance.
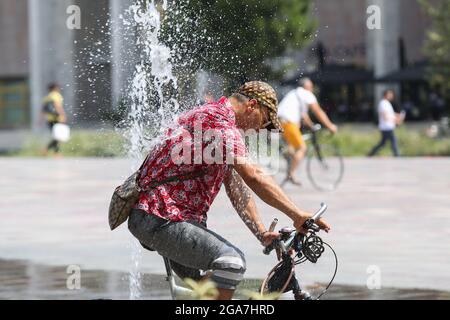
(266, 96)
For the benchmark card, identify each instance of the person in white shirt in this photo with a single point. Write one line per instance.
(388, 121)
(294, 109)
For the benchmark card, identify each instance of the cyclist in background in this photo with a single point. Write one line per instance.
(54, 113)
(293, 110)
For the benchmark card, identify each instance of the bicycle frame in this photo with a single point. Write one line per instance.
(282, 277)
(175, 290)
(286, 266)
(294, 240)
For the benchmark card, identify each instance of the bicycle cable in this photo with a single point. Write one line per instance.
(335, 272)
(312, 252)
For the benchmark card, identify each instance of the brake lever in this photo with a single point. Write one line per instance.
(315, 228)
(311, 225)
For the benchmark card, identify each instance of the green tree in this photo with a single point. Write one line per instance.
(236, 38)
(438, 43)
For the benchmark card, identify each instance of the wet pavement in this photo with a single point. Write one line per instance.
(389, 215)
(24, 280)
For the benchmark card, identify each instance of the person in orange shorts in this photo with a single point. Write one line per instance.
(293, 110)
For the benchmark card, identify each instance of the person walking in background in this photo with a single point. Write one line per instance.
(437, 106)
(53, 111)
(388, 121)
(293, 110)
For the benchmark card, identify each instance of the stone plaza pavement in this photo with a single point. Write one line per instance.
(389, 215)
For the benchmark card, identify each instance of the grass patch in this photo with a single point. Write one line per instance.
(82, 144)
(412, 143)
(353, 142)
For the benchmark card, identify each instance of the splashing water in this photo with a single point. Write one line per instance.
(135, 275)
(153, 78)
(151, 106)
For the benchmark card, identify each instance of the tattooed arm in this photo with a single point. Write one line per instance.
(245, 205)
(269, 191)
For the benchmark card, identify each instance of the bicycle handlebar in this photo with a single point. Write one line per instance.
(309, 225)
(273, 225)
(316, 128)
(319, 128)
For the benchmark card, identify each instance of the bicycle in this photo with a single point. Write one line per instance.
(175, 290)
(307, 247)
(294, 248)
(324, 165)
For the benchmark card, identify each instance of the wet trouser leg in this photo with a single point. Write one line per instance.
(191, 247)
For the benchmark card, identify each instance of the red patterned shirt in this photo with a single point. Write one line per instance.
(203, 143)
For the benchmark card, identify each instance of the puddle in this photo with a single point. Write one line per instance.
(22, 280)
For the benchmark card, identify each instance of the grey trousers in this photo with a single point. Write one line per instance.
(385, 137)
(191, 248)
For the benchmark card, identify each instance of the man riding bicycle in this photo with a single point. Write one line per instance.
(170, 218)
(293, 110)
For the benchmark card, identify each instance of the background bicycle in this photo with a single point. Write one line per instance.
(324, 162)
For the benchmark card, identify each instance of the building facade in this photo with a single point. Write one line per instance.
(14, 66)
(351, 61)
(38, 46)
(93, 63)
